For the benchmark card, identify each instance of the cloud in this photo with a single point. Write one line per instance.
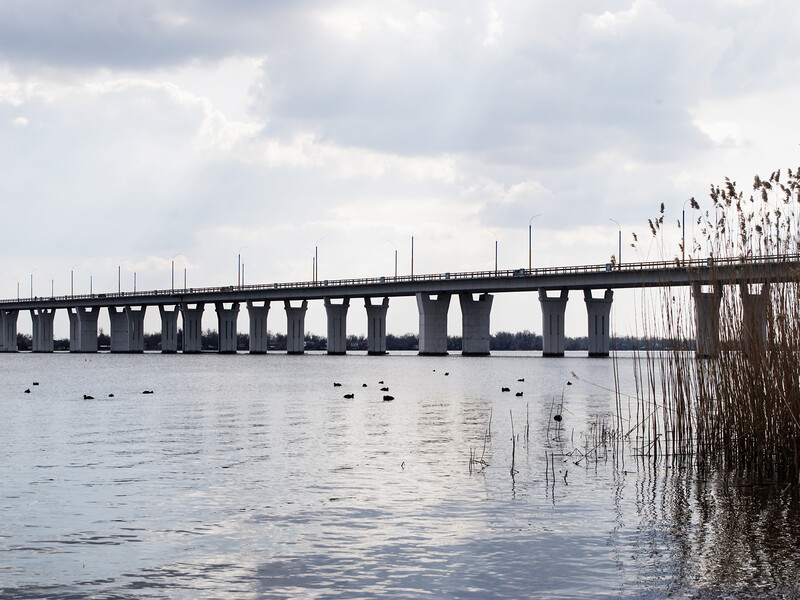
(136, 131)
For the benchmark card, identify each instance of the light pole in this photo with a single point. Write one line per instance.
(395, 256)
(316, 259)
(495, 249)
(683, 229)
(172, 260)
(90, 280)
(530, 241)
(412, 256)
(239, 267)
(619, 255)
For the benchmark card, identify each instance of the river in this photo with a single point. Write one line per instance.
(254, 477)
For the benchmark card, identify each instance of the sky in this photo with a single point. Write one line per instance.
(138, 135)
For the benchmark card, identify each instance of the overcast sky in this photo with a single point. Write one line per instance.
(135, 133)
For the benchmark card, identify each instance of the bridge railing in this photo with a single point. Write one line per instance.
(459, 275)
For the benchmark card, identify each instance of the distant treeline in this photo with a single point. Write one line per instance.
(502, 340)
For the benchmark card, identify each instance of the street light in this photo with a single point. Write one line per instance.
(395, 256)
(316, 259)
(172, 260)
(495, 249)
(691, 202)
(239, 267)
(90, 280)
(412, 256)
(619, 256)
(530, 241)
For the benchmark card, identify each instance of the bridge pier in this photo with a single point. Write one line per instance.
(8, 321)
(337, 325)
(553, 309)
(86, 329)
(192, 328)
(754, 317)
(706, 314)
(376, 326)
(433, 324)
(228, 335)
(295, 327)
(599, 312)
(74, 330)
(475, 335)
(119, 329)
(259, 337)
(42, 320)
(169, 329)
(135, 328)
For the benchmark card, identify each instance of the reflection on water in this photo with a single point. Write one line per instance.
(254, 476)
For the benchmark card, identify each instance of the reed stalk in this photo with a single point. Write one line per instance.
(738, 409)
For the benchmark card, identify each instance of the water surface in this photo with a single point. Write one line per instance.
(253, 476)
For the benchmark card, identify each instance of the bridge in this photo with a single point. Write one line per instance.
(433, 293)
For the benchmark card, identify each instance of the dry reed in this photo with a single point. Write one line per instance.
(739, 407)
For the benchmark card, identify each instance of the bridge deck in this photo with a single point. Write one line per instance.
(628, 275)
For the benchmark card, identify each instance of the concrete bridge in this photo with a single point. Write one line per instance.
(433, 294)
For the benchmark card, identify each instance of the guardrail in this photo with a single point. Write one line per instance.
(462, 275)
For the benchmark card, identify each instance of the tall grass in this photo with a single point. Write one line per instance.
(739, 408)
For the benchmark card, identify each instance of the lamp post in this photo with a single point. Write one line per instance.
(683, 230)
(239, 266)
(316, 259)
(395, 256)
(412, 256)
(530, 241)
(495, 249)
(90, 281)
(619, 255)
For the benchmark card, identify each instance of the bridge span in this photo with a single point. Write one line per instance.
(433, 293)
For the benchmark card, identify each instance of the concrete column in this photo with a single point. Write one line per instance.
(87, 324)
(553, 309)
(706, 314)
(259, 337)
(192, 328)
(74, 330)
(228, 336)
(135, 328)
(337, 326)
(433, 324)
(9, 325)
(119, 329)
(599, 312)
(42, 319)
(754, 317)
(376, 326)
(475, 324)
(295, 327)
(169, 329)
